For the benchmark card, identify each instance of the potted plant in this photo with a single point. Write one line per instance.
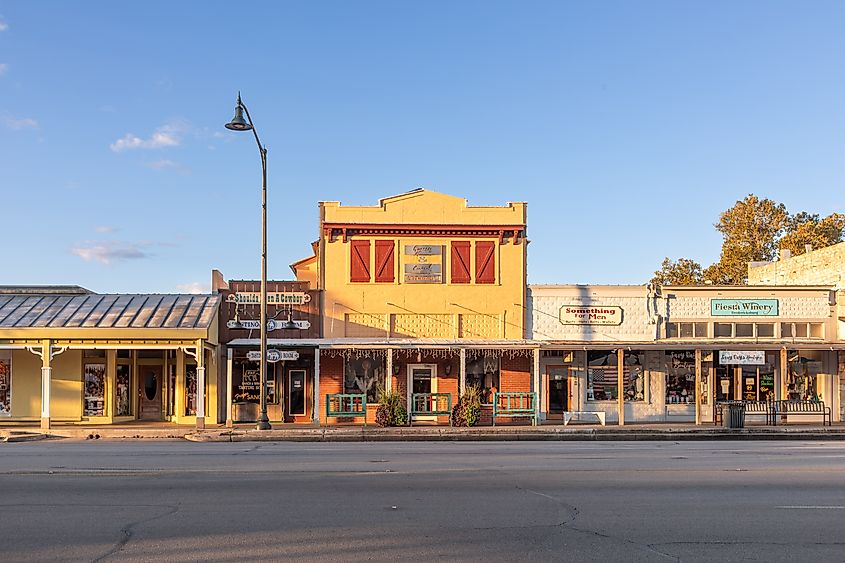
(467, 411)
(391, 410)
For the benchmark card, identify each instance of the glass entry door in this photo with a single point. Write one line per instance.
(558, 389)
(296, 392)
(422, 379)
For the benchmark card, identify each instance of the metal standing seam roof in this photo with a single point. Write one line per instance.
(131, 311)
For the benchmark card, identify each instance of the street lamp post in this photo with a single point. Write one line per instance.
(239, 124)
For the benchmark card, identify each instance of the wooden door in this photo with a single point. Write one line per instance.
(149, 392)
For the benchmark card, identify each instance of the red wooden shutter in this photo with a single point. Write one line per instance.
(485, 262)
(360, 261)
(460, 261)
(385, 270)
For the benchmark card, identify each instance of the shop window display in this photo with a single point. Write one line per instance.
(190, 390)
(483, 372)
(603, 377)
(5, 383)
(364, 375)
(802, 380)
(680, 377)
(123, 383)
(95, 390)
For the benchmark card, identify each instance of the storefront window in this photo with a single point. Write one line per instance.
(364, 375)
(603, 376)
(802, 381)
(5, 383)
(482, 371)
(95, 390)
(190, 390)
(680, 377)
(123, 384)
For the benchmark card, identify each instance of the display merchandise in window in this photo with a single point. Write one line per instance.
(802, 381)
(122, 384)
(680, 377)
(364, 375)
(190, 390)
(603, 376)
(95, 390)
(482, 371)
(5, 383)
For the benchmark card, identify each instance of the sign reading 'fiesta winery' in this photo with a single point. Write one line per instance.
(744, 307)
(590, 315)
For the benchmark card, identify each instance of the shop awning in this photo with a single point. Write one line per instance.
(399, 343)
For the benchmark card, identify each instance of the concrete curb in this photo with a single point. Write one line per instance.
(10, 437)
(435, 434)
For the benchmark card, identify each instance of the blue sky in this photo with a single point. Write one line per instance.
(626, 126)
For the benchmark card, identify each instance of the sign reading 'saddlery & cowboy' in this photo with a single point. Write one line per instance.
(590, 315)
(273, 298)
(744, 307)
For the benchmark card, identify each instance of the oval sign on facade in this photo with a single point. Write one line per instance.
(590, 315)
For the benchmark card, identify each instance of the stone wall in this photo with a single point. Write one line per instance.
(825, 266)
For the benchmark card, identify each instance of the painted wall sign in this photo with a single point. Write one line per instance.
(590, 315)
(273, 356)
(755, 358)
(744, 307)
(272, 324)
(423, 263)
(273, 298)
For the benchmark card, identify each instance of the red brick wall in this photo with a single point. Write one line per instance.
(515, 376)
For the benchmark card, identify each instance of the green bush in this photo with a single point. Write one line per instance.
(391, 410)
(467, 411)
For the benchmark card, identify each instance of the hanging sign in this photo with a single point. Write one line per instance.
(744, 307)
(590, 315)
(273, 355)
(273, 298)
(272, 324)
(756, 358)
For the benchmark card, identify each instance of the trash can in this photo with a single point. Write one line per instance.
(733, 416)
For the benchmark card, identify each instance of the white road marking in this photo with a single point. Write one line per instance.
(812, 507)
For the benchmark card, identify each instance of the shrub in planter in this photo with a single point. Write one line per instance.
(467, 411)
(391, 410)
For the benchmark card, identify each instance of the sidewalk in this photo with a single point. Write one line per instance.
(349, 433)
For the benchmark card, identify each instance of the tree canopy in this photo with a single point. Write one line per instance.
(754, 230)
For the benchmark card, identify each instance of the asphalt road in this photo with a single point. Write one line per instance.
(503, 501)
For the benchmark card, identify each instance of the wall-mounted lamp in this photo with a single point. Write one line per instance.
(396, 369)
(448, 369)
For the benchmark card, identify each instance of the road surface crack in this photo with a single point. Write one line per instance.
(129, 529)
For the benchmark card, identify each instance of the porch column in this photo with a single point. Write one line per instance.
(316, 410)
(538, 390)
(229, 423)
(620, 381)
(462, 371)
(388, 378)
(784, 374)
(698, 387)
(200, 386)
(46, 379)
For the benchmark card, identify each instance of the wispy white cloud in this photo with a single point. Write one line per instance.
(3, 25)
(168, 135)
(4, 68)
(163, 164)
(17, 124)
(106, 229)
(108, 252)
(193, 287)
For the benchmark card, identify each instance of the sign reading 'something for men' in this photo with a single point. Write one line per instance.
(744, 307)
(423, 263)
(590, 315)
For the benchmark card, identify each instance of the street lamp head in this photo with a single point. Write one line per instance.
(238, 122)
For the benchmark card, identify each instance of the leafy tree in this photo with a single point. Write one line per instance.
(750, 232)
(804, 228)
(681, 272)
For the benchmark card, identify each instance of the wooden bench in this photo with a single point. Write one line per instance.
(569, 415)
(344, 405)
(512, 405)
(431, 404)
(794, 408)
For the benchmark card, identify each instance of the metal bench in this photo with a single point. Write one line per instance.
(431, 404)
(569, 415)
(751, 408)
(513, 405)
(345, 405)
(793, 408)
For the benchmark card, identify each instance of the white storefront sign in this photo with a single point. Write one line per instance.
(273, 356)
(755, 358)
(590, 315)
(272, 324)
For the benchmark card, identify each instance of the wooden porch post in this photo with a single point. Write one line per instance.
(46, 381)
(620, 381)
(698, 387)
(200, 386)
